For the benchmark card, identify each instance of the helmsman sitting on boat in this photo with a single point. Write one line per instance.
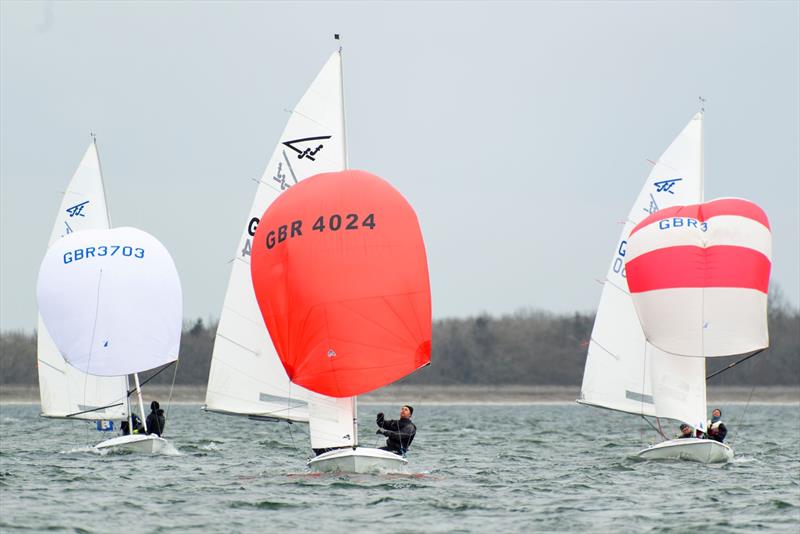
(137, 425)
(716, 428)
(400, 433)
(686, 431)
(155, 420)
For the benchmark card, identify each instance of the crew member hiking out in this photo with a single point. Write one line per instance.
(399, 433)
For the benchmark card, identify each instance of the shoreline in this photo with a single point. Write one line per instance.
(452, 394)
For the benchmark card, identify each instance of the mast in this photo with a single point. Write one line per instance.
(346, 166)
(702, 151)
(102, 182)
(141, 404)
(341, 99)
(128, 404)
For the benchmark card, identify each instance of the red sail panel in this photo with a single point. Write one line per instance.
(341, 277)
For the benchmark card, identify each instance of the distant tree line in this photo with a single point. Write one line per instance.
(527, 347)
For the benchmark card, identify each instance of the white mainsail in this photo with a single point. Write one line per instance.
(246, 375)
(65, 391)
(623, 372)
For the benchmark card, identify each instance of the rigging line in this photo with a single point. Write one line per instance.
(289, 412)
(130, 392)
(95, 409)
(660, 430)
(171, 388)
(644, 374)
(291, 435)
(734, 364)
(653, 426)
(91, 343)
(746, 406)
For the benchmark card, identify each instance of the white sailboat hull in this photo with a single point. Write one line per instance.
(706, 451)
(141, 443)
(358, 460)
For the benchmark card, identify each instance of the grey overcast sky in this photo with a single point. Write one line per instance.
(519, 131)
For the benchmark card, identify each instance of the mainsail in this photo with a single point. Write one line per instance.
(623, 371)
(64, 390)
(341, 276)
(132, 308)
(246, 376)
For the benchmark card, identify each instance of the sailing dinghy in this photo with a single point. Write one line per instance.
(111, 301)
(341, 277)
(699, 278)
(624, 371)
(247, 377)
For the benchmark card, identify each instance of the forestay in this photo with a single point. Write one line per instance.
(341, 277)
(246, 376)
(699, 277)
(111, 299)
(620, 364)
(64, 390)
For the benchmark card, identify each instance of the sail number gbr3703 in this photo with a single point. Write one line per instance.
(102, 250)
(323, 223)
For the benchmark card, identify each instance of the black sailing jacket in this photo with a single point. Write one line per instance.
(400, 433)
(155, 422)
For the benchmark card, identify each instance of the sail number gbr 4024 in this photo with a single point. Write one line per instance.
(323, 223)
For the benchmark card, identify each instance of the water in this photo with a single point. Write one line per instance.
(517, 468)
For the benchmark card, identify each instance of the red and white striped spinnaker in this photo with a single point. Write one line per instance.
(699, 277)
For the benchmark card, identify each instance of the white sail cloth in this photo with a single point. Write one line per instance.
(621, 366)
(246, 375)
(65, 391)
(111, 300)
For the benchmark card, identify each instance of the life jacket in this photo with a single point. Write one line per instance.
(714, 425)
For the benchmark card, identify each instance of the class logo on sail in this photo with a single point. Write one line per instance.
(77, 209)
(307, 147)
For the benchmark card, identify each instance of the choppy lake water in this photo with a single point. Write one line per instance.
(519, 468)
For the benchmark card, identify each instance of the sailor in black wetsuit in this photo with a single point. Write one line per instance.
(400, 433)
(155, 421)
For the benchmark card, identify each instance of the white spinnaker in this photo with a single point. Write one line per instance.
(246, 375)
(64, 390)
(620, 364)
(112, 301)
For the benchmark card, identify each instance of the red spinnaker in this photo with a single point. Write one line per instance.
(341, 277)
